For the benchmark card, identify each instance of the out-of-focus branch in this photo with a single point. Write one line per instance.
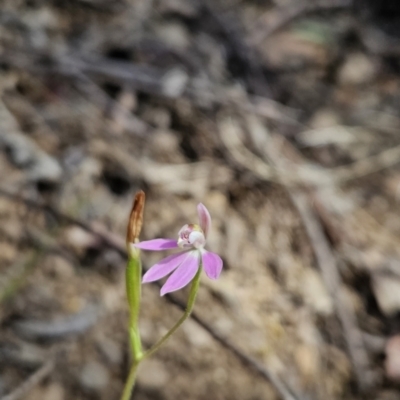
(33, 380)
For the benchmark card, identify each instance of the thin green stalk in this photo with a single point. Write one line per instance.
(133, 290)
(189, 308)
(130, 382)
(133, 285)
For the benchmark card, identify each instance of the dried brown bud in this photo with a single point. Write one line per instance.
(136, 218)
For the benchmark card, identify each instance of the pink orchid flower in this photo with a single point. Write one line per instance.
(183, 266)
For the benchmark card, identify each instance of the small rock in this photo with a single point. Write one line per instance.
(358, 69)
(54, 391)
(152, 374)
(157, 116)
(22, 355)
(112, 297)
(224, 326)
(386, 288)
(388, 395)
(315, 294)
(214, 54)
(174, 82)
(148, 331)
(392, 362)
(307, 360)
(94, 376)
(289, 50)
(165, 147)
(164, 142)
(35, 393)
(221, 375)
(224, 291)
(181, 7)
(325, 118)
(41, 18)
(111, 350)
(257, 341)
(236, 231)
(25, 153)
(8, 252)
(337, 135)
(12, 229)
(196, 336)
(58, 267)
(112, 259)
(45, 169)
(174, 34)
(2, 386)
(63, 326)
(79, 239)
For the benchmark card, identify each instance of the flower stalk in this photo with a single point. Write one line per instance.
(130, 382)
(133, 289)
(134, 273)
(133, 277)
(189, 308)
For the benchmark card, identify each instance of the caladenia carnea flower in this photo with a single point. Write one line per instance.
(184, 266)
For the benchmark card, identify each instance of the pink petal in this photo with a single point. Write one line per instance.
(204, 218)
(212, 264)
(183, 274)
(164, 267)
(157, 244)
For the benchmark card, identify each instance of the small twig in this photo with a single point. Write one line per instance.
(331, 277)
(99, 97)
(303, 173)
(228, 24)
(229, 132)
(119, 246)
(147, 80)
(292, 12)
(366, 166)
(31, 382)
(375, 40)
(61, 327)
(375, 344)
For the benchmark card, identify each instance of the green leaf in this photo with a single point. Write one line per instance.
(133, 291)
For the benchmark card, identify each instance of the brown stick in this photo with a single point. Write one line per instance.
(33, 380)
(292, 12)
(331, 277)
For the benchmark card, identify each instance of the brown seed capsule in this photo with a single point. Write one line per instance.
(136, 218)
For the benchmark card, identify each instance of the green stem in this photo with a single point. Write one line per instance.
(133, 290)
(189, 308)
(130, 382)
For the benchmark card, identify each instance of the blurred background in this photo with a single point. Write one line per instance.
(281, 116)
